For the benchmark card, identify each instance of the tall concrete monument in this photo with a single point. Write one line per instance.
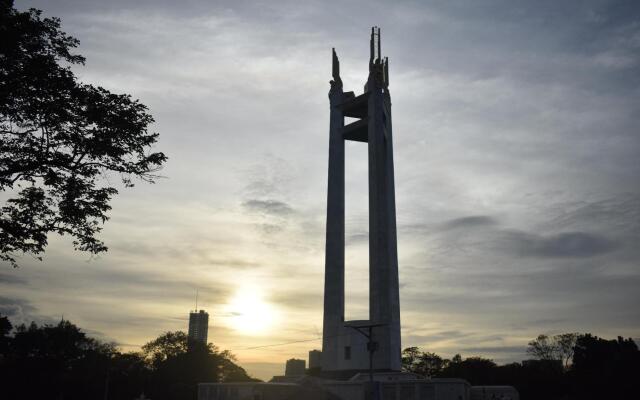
(359, 359)
(345, 345)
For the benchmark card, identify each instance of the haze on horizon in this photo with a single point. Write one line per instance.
(516, 161)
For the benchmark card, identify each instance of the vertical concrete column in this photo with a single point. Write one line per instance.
(384, 303)
(334, 257)
(395, 345)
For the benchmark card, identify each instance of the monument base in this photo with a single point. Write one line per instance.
(386, 386)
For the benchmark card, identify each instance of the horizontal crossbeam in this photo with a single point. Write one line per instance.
(356, 107)
(357, 131)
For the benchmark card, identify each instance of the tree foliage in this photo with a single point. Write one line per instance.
(605, 368)
(558, 347)
(600, 368)
(61, 361)
(5, 328)
(172, 354)
(474, 369)
(422, 363)
(165, 346)
(410, 357)
(59, 139)
(57, 361)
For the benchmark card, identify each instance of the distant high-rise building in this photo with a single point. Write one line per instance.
(198, 326)
(294, 367)
(315, 359)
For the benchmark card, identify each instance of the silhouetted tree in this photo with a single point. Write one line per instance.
(558, 347)
(605, 368)
(432, 364)
(422, 363)
(477, 370)
(410, 357)
(5, 329)
(600, 369)
(165, 346)
(55, 361)
(60, 361)
(533, 380)
(566, 345)
(58, 138)
(178, 366)
(542, 348)
(128, 376)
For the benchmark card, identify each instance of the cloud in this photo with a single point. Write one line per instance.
(474, 221)
(356, 238)
(22, 311)
(516, 350)
(484, 233)
(299, 300)
(16, 308)
(12, 279)
(268, 207)
(618, 214)
(568, 244)
(232, 263)
(430, 338)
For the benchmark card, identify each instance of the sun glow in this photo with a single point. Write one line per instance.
(249, 314)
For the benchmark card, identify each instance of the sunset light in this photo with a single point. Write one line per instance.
(249, 313)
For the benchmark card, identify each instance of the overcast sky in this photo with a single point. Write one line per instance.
(516, 159)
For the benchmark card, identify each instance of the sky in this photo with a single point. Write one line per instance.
(516, 159)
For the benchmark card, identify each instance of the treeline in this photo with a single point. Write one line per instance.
(563, 367)
(62, 362)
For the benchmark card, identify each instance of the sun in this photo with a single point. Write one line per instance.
(249, 314)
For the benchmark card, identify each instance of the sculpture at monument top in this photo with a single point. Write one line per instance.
(335, 71)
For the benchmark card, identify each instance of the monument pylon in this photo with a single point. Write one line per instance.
(343, 348)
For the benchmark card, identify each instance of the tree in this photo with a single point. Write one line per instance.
(558, 347)
(128, 376)
(542, 348)
(61, 361)
(165, 346)
(5, 329)
(178, 366)
(410, 357)
(566, 347)
(422, 363)
(432, 364)
(59, 138)
(55, 361)
(477, 370)
(605, 368)
(173, 345)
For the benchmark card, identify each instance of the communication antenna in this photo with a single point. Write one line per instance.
(371, 46)
(196, 300)
(379, 48)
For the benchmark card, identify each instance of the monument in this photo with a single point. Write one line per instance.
(343, 347)
(360, 360)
